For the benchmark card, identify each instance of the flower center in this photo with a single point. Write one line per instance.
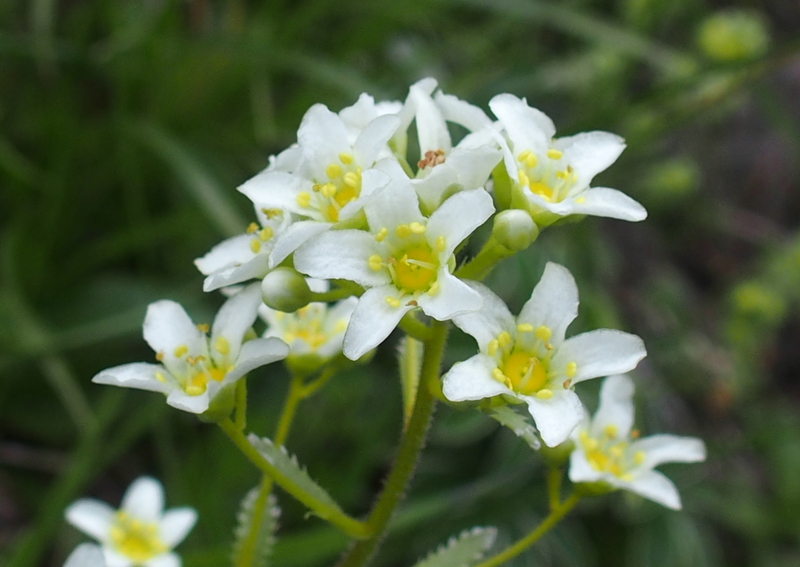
(432, 158)
(414, 269)
(135, 539)
(306, 324)
(342, 186)
(543, 177)
(525, 374)
(609, 453)
(194, 372)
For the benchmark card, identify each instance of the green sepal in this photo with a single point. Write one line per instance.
(463, 551)
(256, 552)
(558, 455)
(501, 186)
(593, 488)
(288, 466)
(221, 405)
(410, 361)
(517, 423)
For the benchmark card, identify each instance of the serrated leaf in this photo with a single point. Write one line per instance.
(253, 544)
(462, 551)
(288, 466)
(517, 423)
(410, 360)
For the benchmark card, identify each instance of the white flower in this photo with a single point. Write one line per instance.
(553, 175)
(606, 450)
(442, 168)
(86, 555)
(193, 367)
(528, 358)
(404, 260)
(139, 533)
(324, 187)
(246, 256)
(314, 333)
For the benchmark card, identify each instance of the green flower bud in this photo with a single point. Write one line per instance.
(514, 229)
(734, 35)
(283, 289)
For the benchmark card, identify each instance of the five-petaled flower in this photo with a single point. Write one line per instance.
(140, 532)
(195, 368)
(527, 357)
(607, 449)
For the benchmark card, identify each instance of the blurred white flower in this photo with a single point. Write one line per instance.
(607, 450)
(86, 555)
(194, 368)
(528, 358)
(139, 533)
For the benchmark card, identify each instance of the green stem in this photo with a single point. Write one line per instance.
(311, 387)
(241, 404)
(480, 266)
(554, 487)
(348, 525)
(555, 516)
(411, 444)
(333, 295)
(414, 328)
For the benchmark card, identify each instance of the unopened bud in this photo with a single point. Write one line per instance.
(283, 289)
(514, 229)
(734, 35)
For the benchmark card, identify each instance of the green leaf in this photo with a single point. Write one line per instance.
(462, 551)
(410, 359)
(289, 467)
(255, 532)
(517, 423)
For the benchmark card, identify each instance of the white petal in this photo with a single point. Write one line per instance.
(580, 470)
(473, 165)
(233, 251)
(557, 417)
(193, 404)
(472, 379)
(92, 517)
(254, 354)
(528, 128)
(461, 112)
(394, 204)
(458, 217)
(256, 268)
(167, 326)
(407, 111)
(616, 406)
(374, 138)
(114, 559)
(165, 560)
(372, 321)
(175, 525)
(323, 136)
(553, 303)
(139, 375)
(600, 353)
(655, 486)
(605, 202)
(431, 127)
(277, 190)
(665, 448)
(342, 254)
(589, 153)
(293, 237)
(489, 321)
(453, 297)
(287, 160)
(233, 320)
(86, 555)
(144, 499)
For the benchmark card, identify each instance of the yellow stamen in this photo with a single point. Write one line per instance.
(222, 346)
(375, 262)
(333, 171)
(639, 457)
(523, 156)
(180, 350)
(498, 375)
(504, 338)
(265, 233)
(492, 347)
(543, 333)
(160, 377)
(610, 431)
(303, 199)
(381, 234)
(159, 356)
(531, 161)
(417, 228)
(554, 154)
(346, 159)
(255, 245)
(328, 190)
(440, 244)
(570, 369)
(403, 231)
(251, 228)
(544, 394)
(351, 179)
(203, 327)
(525, 328)
(392, 301)
(434, 289)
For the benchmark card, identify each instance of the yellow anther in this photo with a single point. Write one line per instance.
(440, 244)
(375, 262)
(417, 228)
(271, 213)
(589, 444)
(251, 228)
(352, 179)
(583, 436)
(616, 450)
(328, 190)
(570, 369)
(525, 328)
(627, 477)
(346, 159)
(566, 384)
(523, 178)
(554, 154)
(543, 333)
(381, 234)
(580, 200)
(160, 377)
(524, 156)
(610, 431)
(638, 457)
(180, 350)
(265, 233)
(392, 301)
(403, 231)
(159, 356)
(544, 394)
(498, 375)
(340, 326)
(255, 245)
(491, 349)
(531, 161)
(434, 289)
(203, 327)
(561, 174)
(333, 171)
(222, 346)
(504, 338)
(316, 187)
(303, 199)
(635, 434)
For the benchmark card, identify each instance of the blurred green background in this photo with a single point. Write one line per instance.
(126, 125)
